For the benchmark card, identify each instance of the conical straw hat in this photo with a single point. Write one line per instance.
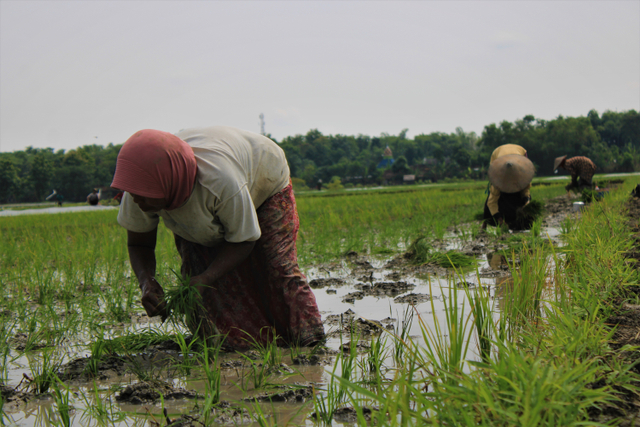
(511, 173)
(557, 161)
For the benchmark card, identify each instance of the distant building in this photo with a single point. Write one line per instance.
(387, 158)
(409, 179)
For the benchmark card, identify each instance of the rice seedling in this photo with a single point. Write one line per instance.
(100, 410)
(98, 350)
(336, 392)
(44, 370)
(373, 363)
(187, 361)
(479, 302)
(401, 336)
(61, 397)
(558, 341)
(211, 368)
(267, 363)
(421, 252)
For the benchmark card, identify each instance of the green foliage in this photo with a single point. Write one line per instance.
(335, 184)
(421, 252)
(611, 140)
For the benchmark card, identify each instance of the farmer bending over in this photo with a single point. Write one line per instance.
(579, 167)
(227, 196)
(510, 175)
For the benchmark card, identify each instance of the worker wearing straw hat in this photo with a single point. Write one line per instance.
(579, 167)
(510, 175)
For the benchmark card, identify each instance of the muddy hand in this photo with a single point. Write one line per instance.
(153, 299)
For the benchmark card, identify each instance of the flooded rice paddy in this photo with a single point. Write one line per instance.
(361, 298)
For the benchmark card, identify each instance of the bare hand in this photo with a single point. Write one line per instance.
(153, 299)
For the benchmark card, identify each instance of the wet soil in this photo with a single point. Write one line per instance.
(150, 392)
(368, 283)
(14, 399)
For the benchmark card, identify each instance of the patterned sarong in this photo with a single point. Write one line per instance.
(267, 292)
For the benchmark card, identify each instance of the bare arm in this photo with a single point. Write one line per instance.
(142, 256)
(229, 257)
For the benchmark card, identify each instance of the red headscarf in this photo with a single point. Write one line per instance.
(156, 164)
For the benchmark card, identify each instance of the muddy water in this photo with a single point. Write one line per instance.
(376, 294)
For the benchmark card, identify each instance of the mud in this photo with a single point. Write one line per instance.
(150, 392)
(14, 399)
(78, 369)
(369, 279)
(224, 413)
(298, 394)
(348, 415)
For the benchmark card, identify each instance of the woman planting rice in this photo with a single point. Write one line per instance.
(226, 195)
(510, 175)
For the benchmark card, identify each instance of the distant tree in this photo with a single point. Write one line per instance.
(9, 180)
(74, 178)
(400, 166)
(40, 175)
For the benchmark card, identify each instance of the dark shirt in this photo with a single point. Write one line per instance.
(580, 166)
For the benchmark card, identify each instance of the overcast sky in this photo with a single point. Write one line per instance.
(94, 72)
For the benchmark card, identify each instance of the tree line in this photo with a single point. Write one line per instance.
(611, 140)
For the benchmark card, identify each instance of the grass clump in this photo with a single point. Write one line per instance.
(422, 252)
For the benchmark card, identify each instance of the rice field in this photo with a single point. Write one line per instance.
(450, 338)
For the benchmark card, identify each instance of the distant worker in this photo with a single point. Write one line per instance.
(55, 196)
(579, 167)
(94, 197)
(319, 185)
(510, 175)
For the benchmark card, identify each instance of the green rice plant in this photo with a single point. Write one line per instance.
(480, 304)
(6, 331)
(446, 346)
(270, 353)
(523, 294)
(44, 288)
(421, 252)
(211, 367)
(185, 311)
(44, 370)
(61, 397)
(187, 362)
(135, 342)
(266, 365)
(567, 226)
(452, 259)
(373, 363)
(336, 392)
(401, 336)
(36, 332)
(100, 410)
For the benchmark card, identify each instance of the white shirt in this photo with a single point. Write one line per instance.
(237, 172)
